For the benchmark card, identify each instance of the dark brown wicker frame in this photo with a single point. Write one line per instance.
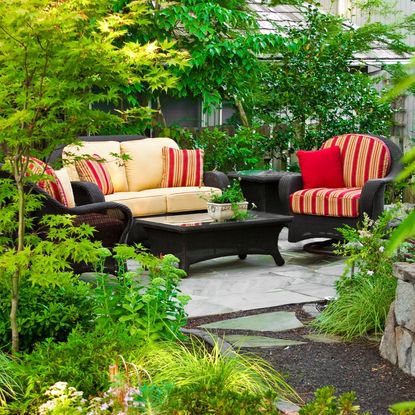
(191, 244)
(371, 202)
(107, 211)
(112, 221)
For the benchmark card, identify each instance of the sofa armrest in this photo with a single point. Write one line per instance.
(288, 184)
(86, 193)
(216, 179)
(372, 197)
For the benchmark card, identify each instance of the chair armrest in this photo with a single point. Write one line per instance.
(372, 197)
(111, 209)
(86, 192)
(288, 184)
(216, 179)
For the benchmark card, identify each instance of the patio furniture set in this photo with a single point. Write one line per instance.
(134, 189)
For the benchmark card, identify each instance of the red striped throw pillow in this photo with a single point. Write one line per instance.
(51, 186)
(182, 167)
(95, 171)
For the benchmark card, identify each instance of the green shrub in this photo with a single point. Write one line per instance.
(46, 312)
(147, 305)
(361, 309)
(201, 400)
(82, 361)
(325, 402)
(403, 408)
(118, 317)
(367, 287)
(244, 150)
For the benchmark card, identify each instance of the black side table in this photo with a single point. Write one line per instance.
(261, 188)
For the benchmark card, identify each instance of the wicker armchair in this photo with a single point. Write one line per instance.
(365, 188)
(112, 222)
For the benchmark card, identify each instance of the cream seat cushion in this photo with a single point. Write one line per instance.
(104, 149)
(164, 200)
(144, 169)
(145, 203)
(186, 199)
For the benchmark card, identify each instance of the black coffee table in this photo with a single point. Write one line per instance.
(195, 237)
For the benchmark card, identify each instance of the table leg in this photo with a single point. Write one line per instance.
(184, 265)
(279, 260)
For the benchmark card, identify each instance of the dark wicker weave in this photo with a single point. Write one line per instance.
(112, 221)
(371, 202)
(255, 235)
(261, 189)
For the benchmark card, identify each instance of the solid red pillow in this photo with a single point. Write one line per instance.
(321, 168)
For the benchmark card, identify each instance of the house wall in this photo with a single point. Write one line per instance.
(184, 112)
(404, 132)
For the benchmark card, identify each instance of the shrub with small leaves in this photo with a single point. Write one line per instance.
(47, 312)
(327, 403)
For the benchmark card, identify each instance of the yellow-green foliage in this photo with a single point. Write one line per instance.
(193, 365)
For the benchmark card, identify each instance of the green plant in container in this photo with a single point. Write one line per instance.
(231, 194)
(230, 204)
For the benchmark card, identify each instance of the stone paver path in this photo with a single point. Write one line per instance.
(225, 285)
(278, 321)
(241, 341)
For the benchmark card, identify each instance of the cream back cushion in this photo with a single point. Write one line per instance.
(144, 170)
(63, 177)
(104, 149)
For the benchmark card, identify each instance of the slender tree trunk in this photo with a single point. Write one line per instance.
(161, 118)
(159, 122)
(242, 113)
(17, 274)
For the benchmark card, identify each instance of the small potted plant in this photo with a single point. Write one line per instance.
(231, 204)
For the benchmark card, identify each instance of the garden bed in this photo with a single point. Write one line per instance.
(353, 366)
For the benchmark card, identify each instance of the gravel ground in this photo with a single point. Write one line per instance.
(355, 366)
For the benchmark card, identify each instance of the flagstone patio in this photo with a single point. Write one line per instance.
(228, 284)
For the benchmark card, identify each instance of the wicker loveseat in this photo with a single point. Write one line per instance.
(368, 164)
(136, 181)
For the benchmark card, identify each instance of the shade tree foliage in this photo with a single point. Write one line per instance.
(59, 60)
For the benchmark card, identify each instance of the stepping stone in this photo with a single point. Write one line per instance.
(287, 408)
(259, 341)
(311, 310)
(276, 321)
(323, 338)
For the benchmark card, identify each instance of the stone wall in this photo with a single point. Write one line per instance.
(398, 341)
